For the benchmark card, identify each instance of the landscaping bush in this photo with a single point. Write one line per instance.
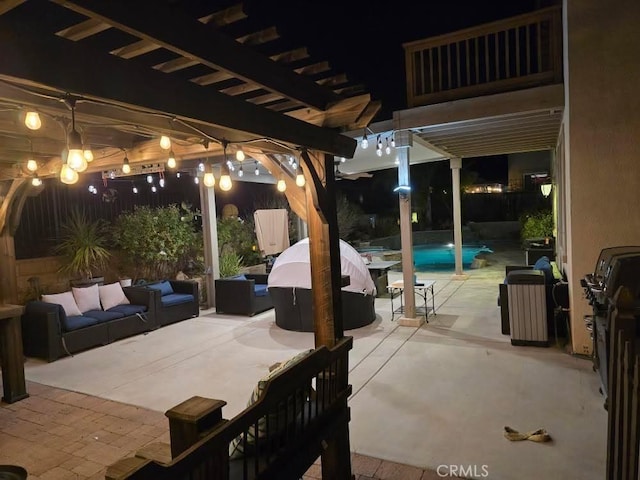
(537, 224)
(154, 241)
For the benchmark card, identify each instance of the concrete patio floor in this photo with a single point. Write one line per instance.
(438, 395)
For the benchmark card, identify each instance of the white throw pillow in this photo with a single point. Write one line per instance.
(66, 300)
(87, 298)
(125, 282)
(112, 295)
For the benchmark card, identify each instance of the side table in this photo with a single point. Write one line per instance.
(422, 288)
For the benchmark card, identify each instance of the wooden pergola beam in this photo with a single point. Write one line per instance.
(32, 56)
(186, 36)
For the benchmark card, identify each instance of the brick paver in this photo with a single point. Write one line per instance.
(57, 434)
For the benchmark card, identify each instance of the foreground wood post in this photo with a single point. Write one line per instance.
(326, 293)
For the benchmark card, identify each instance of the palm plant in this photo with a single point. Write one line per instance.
(83, 245)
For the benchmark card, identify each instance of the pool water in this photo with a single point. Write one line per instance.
(443, 256)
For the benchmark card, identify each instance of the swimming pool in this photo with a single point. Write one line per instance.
(443, 256)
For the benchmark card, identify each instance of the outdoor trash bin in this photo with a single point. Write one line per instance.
(527, 308)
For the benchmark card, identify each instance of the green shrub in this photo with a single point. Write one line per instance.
(154, 241)
(537, 225)
(237, 235)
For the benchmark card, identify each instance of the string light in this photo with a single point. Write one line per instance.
(300, 180)
(240, 171)
(126, 168)
(240, 156)
(201, 166)
(161, 182)
(154, 189)
(68, 175)
(149, 178)
(88, 154)
(165, 142)
(387, 149)
(196, 180)
(32, 120)
(75, 154)
(393, 141)
(257, 170)
(32, 165)
(209, 180)
(281, 186)
(365, 141)
(135, 189)
(171, 161)
(36, 181)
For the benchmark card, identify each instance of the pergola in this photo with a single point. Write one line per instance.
(133, 71)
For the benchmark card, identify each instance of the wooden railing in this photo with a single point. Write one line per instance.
(519, 52)
(295, 424)
(623, 437)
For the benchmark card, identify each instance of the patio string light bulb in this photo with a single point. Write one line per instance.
(75, 155)
(387, 149)
(88, 154)
(126, 168)
(281, 186)
(365, 141)
(134, 189)
(36, 181)
(161, 183)
(225, 179)
(149, 178)
(32, 165)
(154, 189)
(32, 120)
(300, 180)
(68, 175)
(240, 171)
(240, 156)
(171, 161)
(209, 180)
(257, 170)
(165, 142)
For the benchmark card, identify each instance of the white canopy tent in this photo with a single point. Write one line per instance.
(292, 268)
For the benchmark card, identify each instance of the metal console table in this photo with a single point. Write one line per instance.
(423, 289)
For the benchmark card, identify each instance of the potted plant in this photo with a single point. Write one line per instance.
(83, 248)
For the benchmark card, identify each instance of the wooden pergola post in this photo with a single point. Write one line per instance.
(326, 284)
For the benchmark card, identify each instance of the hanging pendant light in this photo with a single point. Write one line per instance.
(209, 179)
(300, 180)
(240, 171)
(165, 142)
(171, 161)
(365, 142)
(32, 165)
(126, 168)
(225, 178)
(75, 152)
(36, 181)
(68, 175)
(257, 170)
(240, 156)
(88, 154)
(32, 120)
(281, 186)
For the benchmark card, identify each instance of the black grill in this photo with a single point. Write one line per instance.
(616, 267)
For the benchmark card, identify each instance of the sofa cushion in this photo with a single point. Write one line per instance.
(87, 298)
(544, 265)
(176, 299)
(75, 322)
(127, 310)
(261, 290)
(65, 300)
(279, 419)
(164, 287)
(112, 295)
(103, 315)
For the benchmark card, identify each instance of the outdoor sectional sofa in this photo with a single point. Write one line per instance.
(245, 294)
(48, 333)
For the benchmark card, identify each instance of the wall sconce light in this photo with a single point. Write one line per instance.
(545, 188)
(32, 120)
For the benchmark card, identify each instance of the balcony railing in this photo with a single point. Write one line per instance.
(519, 52)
